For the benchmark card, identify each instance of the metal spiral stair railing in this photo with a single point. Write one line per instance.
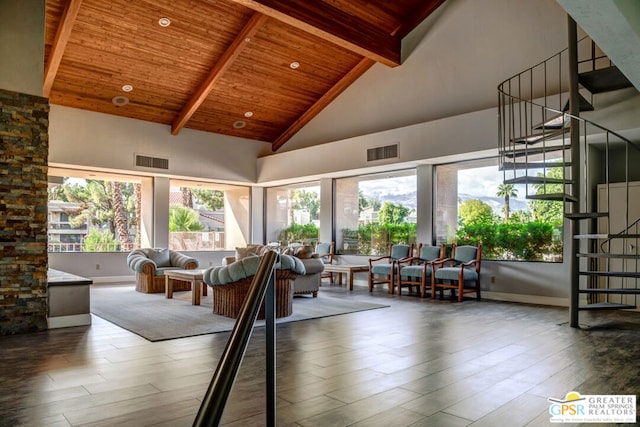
(535, 150)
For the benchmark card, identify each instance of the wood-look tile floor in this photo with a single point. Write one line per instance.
(416, 363)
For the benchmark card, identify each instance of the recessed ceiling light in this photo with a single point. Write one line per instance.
(239, 124)
(164, 22)
(127, 88)
(247, 39)
(120, 100)
(248, 114)
(294, 65)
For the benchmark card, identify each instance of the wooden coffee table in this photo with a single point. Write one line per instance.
(349, 269)
(192, 276)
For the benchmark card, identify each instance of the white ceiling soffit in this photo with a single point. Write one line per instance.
(615, 26)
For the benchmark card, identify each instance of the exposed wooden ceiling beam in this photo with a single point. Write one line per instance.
(416, 17)
(255, 23)
(327, 22)
(325, 100)
(59, 44)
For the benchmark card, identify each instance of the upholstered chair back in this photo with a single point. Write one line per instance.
(400, 251)
(465, 254)
(323, 248)
(429, 253)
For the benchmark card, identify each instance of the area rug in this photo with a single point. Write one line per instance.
(156, 318)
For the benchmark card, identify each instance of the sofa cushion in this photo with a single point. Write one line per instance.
(453, 273)
(300, 251)
(313, 265)
(251, 250)
(247, 267)
(161, 257)
(381, 269)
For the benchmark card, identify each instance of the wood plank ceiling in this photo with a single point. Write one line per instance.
(222, 66)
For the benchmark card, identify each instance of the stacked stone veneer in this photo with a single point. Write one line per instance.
(24, 146)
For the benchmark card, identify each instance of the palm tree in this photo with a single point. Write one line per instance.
(137, 188)
(506, 191)
(182, 218)
(120, 216)
(187, 197)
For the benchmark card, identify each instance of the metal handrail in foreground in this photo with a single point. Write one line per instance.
(215, 399)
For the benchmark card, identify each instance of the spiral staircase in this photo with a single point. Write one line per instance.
(559, 156)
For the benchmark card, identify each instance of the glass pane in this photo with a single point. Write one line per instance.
(373, 211)
(92, 215)
(207, 217)
(293, 213)
(473, 206)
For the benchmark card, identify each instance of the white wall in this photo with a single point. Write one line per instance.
(95, 140)
(22, 47)
(426, 143)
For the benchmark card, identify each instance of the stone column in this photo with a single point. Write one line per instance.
(24, 147)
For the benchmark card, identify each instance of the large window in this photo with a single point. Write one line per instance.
(293, 213)
(207, 217)
(91, 213)
(373, 211)
(473, 205)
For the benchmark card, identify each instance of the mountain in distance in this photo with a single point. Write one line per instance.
(496, 203)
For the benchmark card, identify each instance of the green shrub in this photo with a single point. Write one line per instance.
(100, 241)
(515, 241)
(307, 233)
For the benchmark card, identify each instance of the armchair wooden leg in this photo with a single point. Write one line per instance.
(370, 281)
(433, 288)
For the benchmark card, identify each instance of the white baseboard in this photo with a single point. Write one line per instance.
(67, 321)
(508, 297)
(112, 279)
(527, 299)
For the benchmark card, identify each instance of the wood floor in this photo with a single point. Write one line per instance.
(416, 363)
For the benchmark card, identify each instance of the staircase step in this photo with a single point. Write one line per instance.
(556, 197)
(556, 122)
(532, 165)
(604, 80)
(521, 152)
(612, 291)
(606, 236)
(611, 273)
(544, 136)
(586, 215)
(536, 180)
(606, 306)
(608, 255)
(583, 104)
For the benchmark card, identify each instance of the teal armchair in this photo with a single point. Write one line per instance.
(382, 269)
(459, 273)
(416, 271)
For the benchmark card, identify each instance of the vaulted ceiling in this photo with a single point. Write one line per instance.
(257, 69)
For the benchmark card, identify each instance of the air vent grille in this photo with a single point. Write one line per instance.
(152, 162)
(380, 153)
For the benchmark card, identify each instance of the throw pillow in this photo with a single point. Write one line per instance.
(302, 252)
(161, 257)
(241, 253)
